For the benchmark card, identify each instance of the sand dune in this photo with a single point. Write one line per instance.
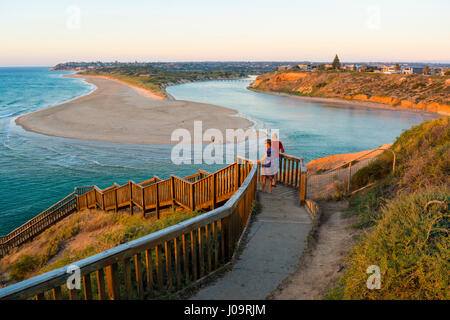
(116, 112)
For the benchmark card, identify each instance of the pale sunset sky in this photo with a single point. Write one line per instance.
(49, 32)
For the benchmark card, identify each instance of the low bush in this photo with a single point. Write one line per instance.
(408, 243)
(25, 264)
(411, 247)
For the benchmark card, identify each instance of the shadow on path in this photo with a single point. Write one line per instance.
(274, 245)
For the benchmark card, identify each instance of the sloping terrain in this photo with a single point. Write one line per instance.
(425, 92)
(79, 236)
(407, 219)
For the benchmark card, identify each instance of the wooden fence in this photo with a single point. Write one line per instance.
(199, 191)
(41, 222)
(169, 259)
(164, 261)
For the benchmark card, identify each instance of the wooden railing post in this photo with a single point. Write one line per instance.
(237, 176)
(78, 203)
(279, 169)
(157, 200)
(103, 201)
(192, 197)
(112, 279)
(302, 191)
(172, 190)
(115, 201)
(213, 191)
(131, 198)
(143, 202)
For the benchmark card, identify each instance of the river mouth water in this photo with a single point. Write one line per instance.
(308, 129)
(37, 170)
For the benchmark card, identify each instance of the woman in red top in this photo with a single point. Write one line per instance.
(277, 148)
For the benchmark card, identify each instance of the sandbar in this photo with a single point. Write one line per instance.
(118, 112)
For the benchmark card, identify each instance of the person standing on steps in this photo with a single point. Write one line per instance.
(267, 167)
(277, 148)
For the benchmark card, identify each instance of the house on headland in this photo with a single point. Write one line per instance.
(284, 68)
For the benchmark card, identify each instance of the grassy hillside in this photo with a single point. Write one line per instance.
(407, 239)
(431, 93)
(157, 80)
(80, 236)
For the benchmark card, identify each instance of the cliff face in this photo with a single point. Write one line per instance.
(429, 93)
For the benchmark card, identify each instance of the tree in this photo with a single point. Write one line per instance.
(336, 63)
(397, 67)
(426, 70)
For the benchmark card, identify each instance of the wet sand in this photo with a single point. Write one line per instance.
(117, 112)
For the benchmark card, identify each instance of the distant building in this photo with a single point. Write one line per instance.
(440, 71)
(390, 69)
(304, 66)
(418, 70)
(362, 68)
(348, 67)
(407, 70)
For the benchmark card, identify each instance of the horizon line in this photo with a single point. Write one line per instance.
(247, 61)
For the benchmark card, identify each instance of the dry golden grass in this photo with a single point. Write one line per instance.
(79, 236)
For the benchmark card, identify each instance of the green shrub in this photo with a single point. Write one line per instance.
(373, 172)
(256, 207)
(24, 265)
(335, 293)
(411, 247)
(423, 155)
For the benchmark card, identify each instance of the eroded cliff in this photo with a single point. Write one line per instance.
(429, 93)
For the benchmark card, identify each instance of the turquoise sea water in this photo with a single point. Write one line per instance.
(37, 170)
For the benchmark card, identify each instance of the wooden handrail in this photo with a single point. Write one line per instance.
(292, 172)
(217, 188)
(227, 222)
(181, 179)
(36, 218)
(204, 172)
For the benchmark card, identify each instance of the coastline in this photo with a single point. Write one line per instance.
(165, 94)
(143, 91)
(352, 103)
(119, 112)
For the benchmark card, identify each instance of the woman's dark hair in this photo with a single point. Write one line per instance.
(269, 142)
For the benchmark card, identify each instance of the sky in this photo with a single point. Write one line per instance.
(49, 32)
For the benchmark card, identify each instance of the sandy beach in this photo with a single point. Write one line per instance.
(118, 112)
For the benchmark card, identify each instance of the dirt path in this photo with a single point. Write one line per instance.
(323, 265)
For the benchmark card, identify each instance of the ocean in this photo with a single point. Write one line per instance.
(37, 170)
